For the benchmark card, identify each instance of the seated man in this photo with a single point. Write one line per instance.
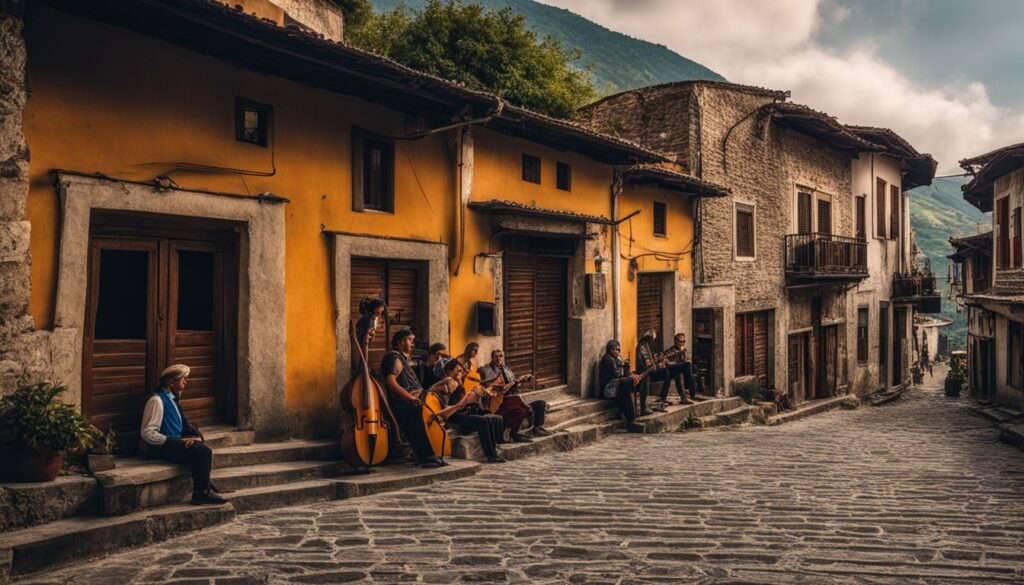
(662, 370)
(469, 416)
(513, 409)
(431, 369)
(617, 383)
(169, 436)
(678, 357)
(404, 390)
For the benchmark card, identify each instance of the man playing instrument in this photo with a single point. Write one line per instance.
(514, 410)
(620, 385)
(469, 416)
(431, 370)
(662, 370)
(678, 355)
(405, 390)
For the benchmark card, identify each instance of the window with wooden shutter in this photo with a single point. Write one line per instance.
(744, 231)
(1015, 252)
(862, 335)
(753, 354)
(563, 176)
(824, 216)
(860, 217)
(894, 212)
(880, 192)
(660, 218)
(373, 172)
(803, 213)
(1003, 232)
(531, 168)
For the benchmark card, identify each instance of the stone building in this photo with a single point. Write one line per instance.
(787, 286)
(992, 277)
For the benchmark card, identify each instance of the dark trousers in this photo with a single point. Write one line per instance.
(624, 390)
(489, 427)
(410, 421)
(514, 411)
(679, 374)
(198, 457)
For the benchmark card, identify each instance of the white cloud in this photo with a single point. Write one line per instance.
(770, 43)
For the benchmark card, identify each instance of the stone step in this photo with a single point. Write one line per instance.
(548, 395)
(608, 413)
(573, 409)
(219, 436)
(807, 409)
(566, 439)
(679, 416)
(30, 504)
(272, 474)
(399, 477)
(260, 453)
(280, 496)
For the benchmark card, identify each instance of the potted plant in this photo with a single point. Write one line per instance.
(36, 429)
(101, 455)
(956, 378)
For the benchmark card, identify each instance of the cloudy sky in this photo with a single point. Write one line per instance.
(948, 75)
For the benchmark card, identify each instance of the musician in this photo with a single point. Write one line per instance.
(405, 390)
(468, 357)
(431, 370)
(371, 310)
(470, 417)
(663, 371)
(618, 384)
(513, 409)
(678, 355)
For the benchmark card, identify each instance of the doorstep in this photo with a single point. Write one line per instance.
(811, 407)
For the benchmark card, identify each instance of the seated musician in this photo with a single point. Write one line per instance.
(620, 385)
(678, 357)
(405, 389)
(169, 436)
(662, 371)
(431, 369)
(513, 409)
(470, 417)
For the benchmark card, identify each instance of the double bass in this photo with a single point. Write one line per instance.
(365, 441)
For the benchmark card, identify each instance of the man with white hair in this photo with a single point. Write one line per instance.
(169, 436)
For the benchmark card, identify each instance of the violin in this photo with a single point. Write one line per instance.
(365, 441)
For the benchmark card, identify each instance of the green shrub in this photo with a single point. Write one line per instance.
(747, 388)
(35, 418)
(956, 379)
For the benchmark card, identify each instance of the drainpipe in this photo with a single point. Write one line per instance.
(616, 189)
(463, 176)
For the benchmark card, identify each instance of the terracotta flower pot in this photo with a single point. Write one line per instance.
(28, 465)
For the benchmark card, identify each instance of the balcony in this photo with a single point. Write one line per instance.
(825, 259)
(917, 288)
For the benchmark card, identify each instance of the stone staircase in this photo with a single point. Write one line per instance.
(144, 501)
(573, 421)
(704, 414)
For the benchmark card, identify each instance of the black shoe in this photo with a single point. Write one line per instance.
(207, 498)
(495, 459)
(645, 412)
(541, 432)
(217, 490)
(517, 438)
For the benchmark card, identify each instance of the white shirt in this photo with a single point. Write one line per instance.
(152, 418)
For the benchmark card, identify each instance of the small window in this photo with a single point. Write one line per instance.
(824, 216)
(744, 231)
(880, 192)
(894, 212)
(860, 219)
(373, 172)
(563, 176)
(252, 121)
(862, 335)
(803, 213)
(531, 168)
(660, 219)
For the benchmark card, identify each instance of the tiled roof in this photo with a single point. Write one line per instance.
(920, 168)
(820, 126)
(988, 167)
(515, 208)
(661, 177)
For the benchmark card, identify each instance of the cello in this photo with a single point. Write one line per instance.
(365, 441)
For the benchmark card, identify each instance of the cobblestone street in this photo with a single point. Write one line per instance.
(918, 491)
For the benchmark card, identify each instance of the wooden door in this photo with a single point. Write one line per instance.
(535, 316)
(648, 308)
(883, 345)
(152, 302)
(828, 360)
(899, 325)
(703, 355)
(798, 363)
(397, 282)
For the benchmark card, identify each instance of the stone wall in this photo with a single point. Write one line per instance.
(24, 352)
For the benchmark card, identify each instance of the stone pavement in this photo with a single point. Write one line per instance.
(918, 491)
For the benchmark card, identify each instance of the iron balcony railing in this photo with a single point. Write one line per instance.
(918, 284)
(826, 255)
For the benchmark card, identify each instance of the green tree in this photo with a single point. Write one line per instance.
(488, 50)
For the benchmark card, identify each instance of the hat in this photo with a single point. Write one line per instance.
(175, 372)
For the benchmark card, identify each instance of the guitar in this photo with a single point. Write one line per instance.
(498, 396)
(658, 357)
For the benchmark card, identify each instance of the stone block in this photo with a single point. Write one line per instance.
(29, 504)
(14, 241)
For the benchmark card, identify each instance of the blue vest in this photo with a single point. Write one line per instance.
(171, 425)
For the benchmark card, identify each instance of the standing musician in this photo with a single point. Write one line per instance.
(663, 372)
(618, 384)
(405, 389)
(371, 309)
(469, 416)
(513, 409)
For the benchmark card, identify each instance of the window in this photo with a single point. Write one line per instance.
(660, 218)
(1015, 239)
(860, 206)
(563, 176)
(1014, 353)
(753, 352)
(862, 335)
(531, 168)
(803, 213)
(373, 172)
(252, 121)
(894, 212)
(824, 216)
(880, 191)
(1002, 232)
(744, 230)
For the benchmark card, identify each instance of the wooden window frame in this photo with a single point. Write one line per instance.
(359, 138)
(1002, 235)
(817, 214)
(803, 195)
(860, 210)
(746, 356)
(881, 196)
(750, 209)
(265, 115)
(895, 212)
(563, 176)
(1015, 237)
(863, 335)
(531, 169)
(662, 218)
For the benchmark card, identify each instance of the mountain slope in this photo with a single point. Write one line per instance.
(619, 62)
(936, 213)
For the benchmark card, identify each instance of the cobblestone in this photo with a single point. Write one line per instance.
(918, 491)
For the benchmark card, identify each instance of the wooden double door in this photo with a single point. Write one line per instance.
(649, 304)
(156, 299)
(536, 312)
(397, 283)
